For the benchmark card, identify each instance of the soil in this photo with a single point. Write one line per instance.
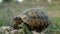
(53, 14)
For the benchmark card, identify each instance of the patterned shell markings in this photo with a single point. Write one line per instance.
(36, 19)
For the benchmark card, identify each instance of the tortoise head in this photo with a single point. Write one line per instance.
(18, 20)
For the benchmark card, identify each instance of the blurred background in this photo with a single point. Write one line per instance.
(11, 8)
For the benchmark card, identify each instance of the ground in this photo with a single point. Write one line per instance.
(52, 10)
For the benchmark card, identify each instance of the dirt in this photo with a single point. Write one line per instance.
(53, 13)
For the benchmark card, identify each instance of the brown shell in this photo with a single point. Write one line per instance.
(35, 19)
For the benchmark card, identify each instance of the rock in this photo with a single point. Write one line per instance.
(16, 31)
(5, 29)
(9, 30)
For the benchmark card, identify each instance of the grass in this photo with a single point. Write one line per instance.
(50, 30)
(54, 28)
(52, 7)
(0, 22)
(56, 20)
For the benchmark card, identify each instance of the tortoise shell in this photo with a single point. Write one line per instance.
(35, 18)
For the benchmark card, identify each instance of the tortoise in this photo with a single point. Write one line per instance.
(35, 19)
